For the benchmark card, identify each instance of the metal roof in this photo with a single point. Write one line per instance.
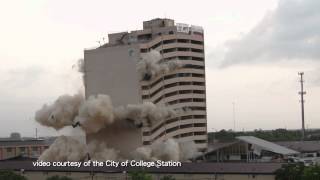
(301, 146)
(266, 145)
(14, 143)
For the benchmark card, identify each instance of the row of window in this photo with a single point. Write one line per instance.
(183, 83)
(193, 58)
(172, 120)
(180, 127)
(186, 135)
(186, 100)
(181, 49)
(176, 93)
(169, 41)
(177, 75)
(148, 96)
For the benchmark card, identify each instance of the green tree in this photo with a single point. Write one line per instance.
(168, 177)
(10, 175)
(58, 178)
(290, 172)
(311, 173)
(140, 175)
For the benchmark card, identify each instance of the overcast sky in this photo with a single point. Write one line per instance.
(254, 51)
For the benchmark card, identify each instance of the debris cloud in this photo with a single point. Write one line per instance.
(150, 66)
(65, 149)
(95, 113)
(61, 113)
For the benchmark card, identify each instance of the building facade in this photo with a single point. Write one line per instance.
(111, 69)
(27, 147)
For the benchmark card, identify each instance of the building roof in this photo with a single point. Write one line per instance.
(301, 146)
(190, 168)
(266, 145)
(26, 142)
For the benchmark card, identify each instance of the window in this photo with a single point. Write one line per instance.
(186, 126)
(200, 125)
(186, 134)
(186, 117)
(198, 83)
(197, 50)
(146, 142)
(196, 42)
(199, 116)
(169, 41)
(198, 91)
(200, 133)
(198, 100)
(197, 75)
(183, 49)
(185, 91)
(9, 149)
(183, 40)
(200, 141)
(197, 58)
(143, 50)
(185, 83)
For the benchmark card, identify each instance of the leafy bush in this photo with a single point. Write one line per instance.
(140, 175)
(10, 175)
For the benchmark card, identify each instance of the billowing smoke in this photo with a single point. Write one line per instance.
(118, 126)
(61, 113)
(167, 150)
(98, 112)
(65, 149)
(100, 152)
(95, 113)
(150, 66)
(70, 149)
(145, 114)
(80, 65)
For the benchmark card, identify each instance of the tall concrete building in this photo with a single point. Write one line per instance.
(111, 69)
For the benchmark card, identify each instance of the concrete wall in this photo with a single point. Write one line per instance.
(112, 71)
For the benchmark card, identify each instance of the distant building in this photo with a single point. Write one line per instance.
(15, 146)
(247, 149)
(111, 69)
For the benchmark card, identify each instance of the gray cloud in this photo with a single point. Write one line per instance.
(291, 32)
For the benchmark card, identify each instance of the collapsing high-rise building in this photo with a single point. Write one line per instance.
(113, 69)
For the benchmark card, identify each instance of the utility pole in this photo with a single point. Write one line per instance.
(302, 93)
(234, 116)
